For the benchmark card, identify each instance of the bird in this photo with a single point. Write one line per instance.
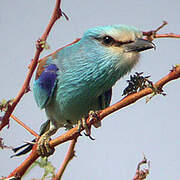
(79, 78)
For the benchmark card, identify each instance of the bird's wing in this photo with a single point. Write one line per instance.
(45, 83)
(105, 99)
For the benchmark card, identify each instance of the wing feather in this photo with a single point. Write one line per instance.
(45, 84)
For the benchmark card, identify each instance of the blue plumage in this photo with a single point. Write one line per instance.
(48, 77)
(44, 85)
(79, 77)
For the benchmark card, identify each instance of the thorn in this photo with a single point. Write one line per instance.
(64, 14)
(161, 26)
(27, 89)
(39, 44)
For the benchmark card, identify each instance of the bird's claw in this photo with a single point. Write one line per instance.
(94, 115)
(89, 136)
(43, 148)
(83, 123)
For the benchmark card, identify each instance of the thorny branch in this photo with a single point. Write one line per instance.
(151, 35)
(25, 126)
(57, 13)
(73, 133)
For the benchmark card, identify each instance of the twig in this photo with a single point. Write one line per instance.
(69, 156)
(151, 35)
(15, 118)
(142, 174)
(39, 48)
(167, 35)
(161, 26)
(25, 126)
(54, 53)
(57, 13)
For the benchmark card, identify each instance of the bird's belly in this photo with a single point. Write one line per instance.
(64, 110)
(54, 114)
(71, 102)
(78, 108)
(71, 107)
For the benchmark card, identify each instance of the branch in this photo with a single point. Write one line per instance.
(19, 171)
(8, 104)
(151, 35)
(167, 35)
(57, 13)
(73, 133)
(69, 156)
(130, 99)
(25, 126)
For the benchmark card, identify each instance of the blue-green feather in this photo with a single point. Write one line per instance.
(87, 70)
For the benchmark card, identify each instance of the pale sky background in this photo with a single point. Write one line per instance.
(151, 128)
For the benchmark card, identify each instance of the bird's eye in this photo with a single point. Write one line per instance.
(107, 40)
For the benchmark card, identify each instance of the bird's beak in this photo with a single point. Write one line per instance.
(139, 45)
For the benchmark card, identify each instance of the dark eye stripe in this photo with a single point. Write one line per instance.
(109, 41)
(120, 43)
(106, 40)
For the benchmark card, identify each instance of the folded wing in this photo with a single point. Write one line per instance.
(45, 83)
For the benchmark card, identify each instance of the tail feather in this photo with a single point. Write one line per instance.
(28, 147)
(24, 151)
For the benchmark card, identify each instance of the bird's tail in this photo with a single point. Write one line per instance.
(28, 146)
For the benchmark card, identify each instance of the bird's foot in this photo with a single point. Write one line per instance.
(83, 123)
(94, 115)
(43, 148)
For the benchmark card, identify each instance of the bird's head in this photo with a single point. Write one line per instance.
(119, 44)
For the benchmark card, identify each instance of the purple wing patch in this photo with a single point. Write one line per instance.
(44, 85)
(47, 78)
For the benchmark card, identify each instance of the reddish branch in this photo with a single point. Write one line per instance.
(69, 156)
(167, 35)
(151, 35)
(15, 118)
(73, 133)
(130, 99)
(25, 126)
(19, 171)
(57, 13)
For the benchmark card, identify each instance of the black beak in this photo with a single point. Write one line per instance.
(139, 45)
